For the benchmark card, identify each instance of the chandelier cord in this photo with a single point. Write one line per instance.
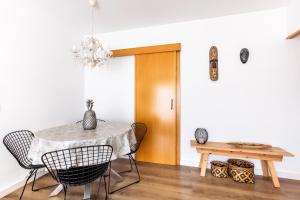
(93, 21)
(91, 52)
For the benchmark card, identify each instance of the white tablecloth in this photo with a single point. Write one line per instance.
(119, 135)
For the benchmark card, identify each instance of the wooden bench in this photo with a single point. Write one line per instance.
(266, 156)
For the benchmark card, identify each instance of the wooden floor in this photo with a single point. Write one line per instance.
(169, 182)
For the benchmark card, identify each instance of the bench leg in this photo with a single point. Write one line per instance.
(264, 166)
(273, 174)
(203, 163)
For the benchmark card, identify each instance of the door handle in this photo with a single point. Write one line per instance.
(172, 103)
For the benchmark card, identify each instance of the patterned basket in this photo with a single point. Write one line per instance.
(219, 169)
(241, 171)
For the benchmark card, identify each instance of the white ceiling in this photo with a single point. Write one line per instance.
(115, 15)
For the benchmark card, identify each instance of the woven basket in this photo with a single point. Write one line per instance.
(219, 169)
(241, 171)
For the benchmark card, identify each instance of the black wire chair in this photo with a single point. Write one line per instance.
(18, 144)
(140, 130)
(98, 120)
(79, 166)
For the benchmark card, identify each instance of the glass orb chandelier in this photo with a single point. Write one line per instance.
(91, 52)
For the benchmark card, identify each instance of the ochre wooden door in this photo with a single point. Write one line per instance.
(155, 96)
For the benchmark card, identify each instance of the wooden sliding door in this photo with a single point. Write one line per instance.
(155, 105)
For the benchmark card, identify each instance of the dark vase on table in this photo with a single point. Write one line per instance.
(201, 135)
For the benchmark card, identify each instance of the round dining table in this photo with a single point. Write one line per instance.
(117, 134)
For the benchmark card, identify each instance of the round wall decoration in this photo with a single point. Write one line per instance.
(244, 55)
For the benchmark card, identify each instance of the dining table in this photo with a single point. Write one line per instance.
(117, 134)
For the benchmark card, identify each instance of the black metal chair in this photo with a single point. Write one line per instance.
(79, 166)
(18, 144)
(98, 120)
(140, 130)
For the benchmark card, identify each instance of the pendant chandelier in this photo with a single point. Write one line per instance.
(91, 52)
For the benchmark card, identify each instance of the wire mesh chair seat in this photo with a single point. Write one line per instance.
(98, 120)
(88, 174)
(18, 144)
(140, 130)
(79, 166)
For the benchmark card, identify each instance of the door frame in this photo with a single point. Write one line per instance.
(157, 49)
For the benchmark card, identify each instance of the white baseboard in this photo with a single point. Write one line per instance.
(281, 174)
(19, 184)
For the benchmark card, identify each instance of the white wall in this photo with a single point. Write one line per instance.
(257, 102)
(40, 86)
(112, 89)
(293, 16)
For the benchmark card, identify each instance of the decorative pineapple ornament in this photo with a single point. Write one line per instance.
(89, 119)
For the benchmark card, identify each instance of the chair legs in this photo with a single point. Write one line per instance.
(106, 187)
(32, 172)
(37, 189)
(137, 170)
(132, 160)
(32, 187)
(65, 192)
(30, 175)
(98, 190)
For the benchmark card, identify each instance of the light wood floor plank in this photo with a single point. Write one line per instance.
(162, 182)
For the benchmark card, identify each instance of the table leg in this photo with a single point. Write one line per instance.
(116, 176)
(87, 191)
(203, 163)
(264, 166)
(273, 174)
(57, 190)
